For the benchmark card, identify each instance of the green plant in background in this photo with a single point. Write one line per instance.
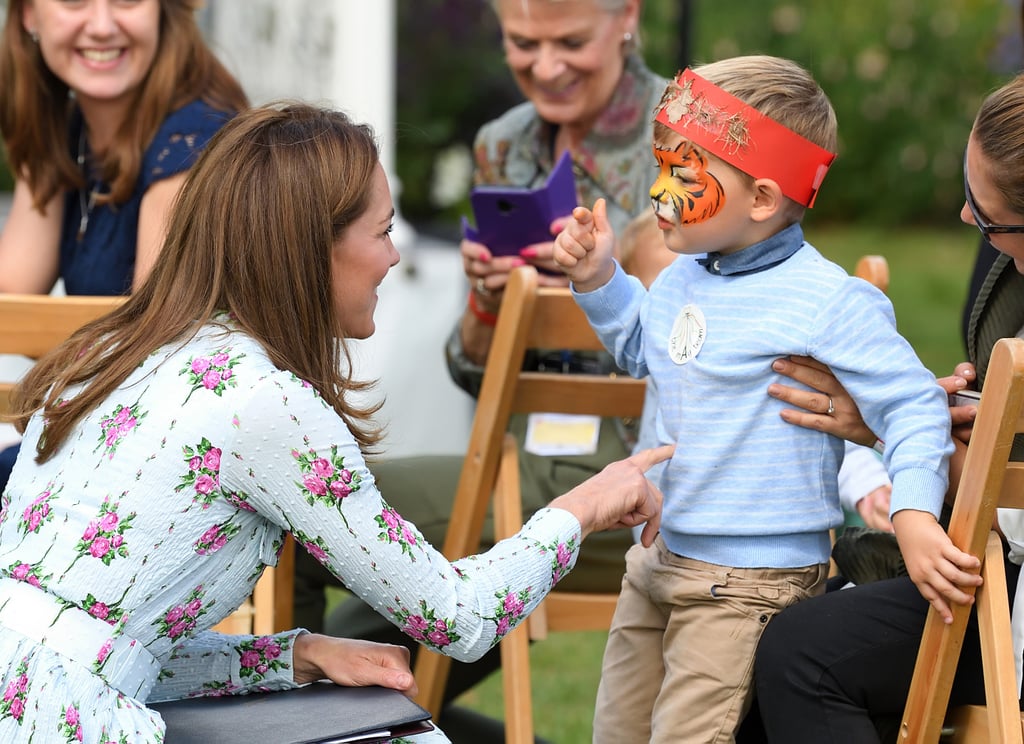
(905, 76)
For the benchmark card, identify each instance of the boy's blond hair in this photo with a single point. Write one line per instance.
(779, 88)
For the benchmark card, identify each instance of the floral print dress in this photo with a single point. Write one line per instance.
(156, 517)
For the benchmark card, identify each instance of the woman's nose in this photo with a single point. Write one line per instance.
(101, 18)
(965, 215)
(548, 63)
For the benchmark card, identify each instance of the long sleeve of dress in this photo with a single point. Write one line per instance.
(217, 664)
(298, 464)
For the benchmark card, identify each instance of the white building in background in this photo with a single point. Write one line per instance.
(339, 53)
(342, 54)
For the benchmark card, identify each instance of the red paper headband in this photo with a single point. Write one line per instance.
(745, 138)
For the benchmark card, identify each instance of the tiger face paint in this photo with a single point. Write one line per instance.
(685, 193)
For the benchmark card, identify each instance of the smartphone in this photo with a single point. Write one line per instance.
(964, 398)
(508, 218)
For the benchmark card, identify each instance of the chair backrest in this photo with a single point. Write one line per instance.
(531, 317)
(32, 325)
(874, 269)
(989, 479)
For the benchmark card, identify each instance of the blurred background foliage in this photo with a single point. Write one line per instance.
(905, 77)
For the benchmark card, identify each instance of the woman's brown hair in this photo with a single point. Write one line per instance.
(36, 111)
(251, 234)
(999, 132)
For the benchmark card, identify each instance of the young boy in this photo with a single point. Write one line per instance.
(742, 146)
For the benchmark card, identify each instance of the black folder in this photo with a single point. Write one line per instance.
(320, 713)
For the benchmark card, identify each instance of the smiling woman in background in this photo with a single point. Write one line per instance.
(104, 104)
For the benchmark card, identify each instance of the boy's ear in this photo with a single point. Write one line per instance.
(769, 200)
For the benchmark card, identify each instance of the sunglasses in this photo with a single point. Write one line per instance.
(987, 228)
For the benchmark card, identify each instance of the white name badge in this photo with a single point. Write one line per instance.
(688, 334)
(561, 434)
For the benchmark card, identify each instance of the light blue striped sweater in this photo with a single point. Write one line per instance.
(744, 488)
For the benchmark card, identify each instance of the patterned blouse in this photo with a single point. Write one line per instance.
(155, 518)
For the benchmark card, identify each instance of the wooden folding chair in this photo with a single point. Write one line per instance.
(874, 269)
(30, 326)
(531, 317)
(989, 480)
(269, 609)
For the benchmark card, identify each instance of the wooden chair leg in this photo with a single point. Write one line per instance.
(1000, 672)
(431, 674)
(515, 647)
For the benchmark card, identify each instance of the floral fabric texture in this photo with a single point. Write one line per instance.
(159, 512)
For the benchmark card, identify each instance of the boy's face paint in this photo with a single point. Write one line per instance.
(684, 192)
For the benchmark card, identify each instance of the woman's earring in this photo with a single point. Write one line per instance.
(34, 35)
(627, 37)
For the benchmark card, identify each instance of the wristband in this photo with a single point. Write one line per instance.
(879, 446)
(488, 319)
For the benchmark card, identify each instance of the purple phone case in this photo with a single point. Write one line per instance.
(508, 219)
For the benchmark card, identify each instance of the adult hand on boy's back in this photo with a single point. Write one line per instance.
(584, 249)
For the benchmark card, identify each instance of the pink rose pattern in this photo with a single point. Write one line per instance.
(103, 538)
(28, 573)
(214, 373)
(215, 538)
(425, 627)
(38, 512)
(509, 612)
(315, 546)
(260, 655)
(13, 704)
(112, 614)
(203, 475)
(115, 427)
(69, 727)
(561, 559)
(239, 501)
(325, 479)
(181, 619)
(396, 531)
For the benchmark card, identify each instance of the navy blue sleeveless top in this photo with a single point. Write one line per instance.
(102, 261)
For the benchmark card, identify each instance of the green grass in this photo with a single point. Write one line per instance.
(929, 272)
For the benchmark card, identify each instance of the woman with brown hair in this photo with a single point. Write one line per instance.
(179, 438)
(103, 107)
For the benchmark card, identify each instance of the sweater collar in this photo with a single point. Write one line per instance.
(756, 257)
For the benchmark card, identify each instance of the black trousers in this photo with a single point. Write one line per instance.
(837, 668)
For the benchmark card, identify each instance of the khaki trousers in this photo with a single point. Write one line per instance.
(679, 661)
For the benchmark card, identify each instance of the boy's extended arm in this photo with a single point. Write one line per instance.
(585, 248)
(936, 566)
